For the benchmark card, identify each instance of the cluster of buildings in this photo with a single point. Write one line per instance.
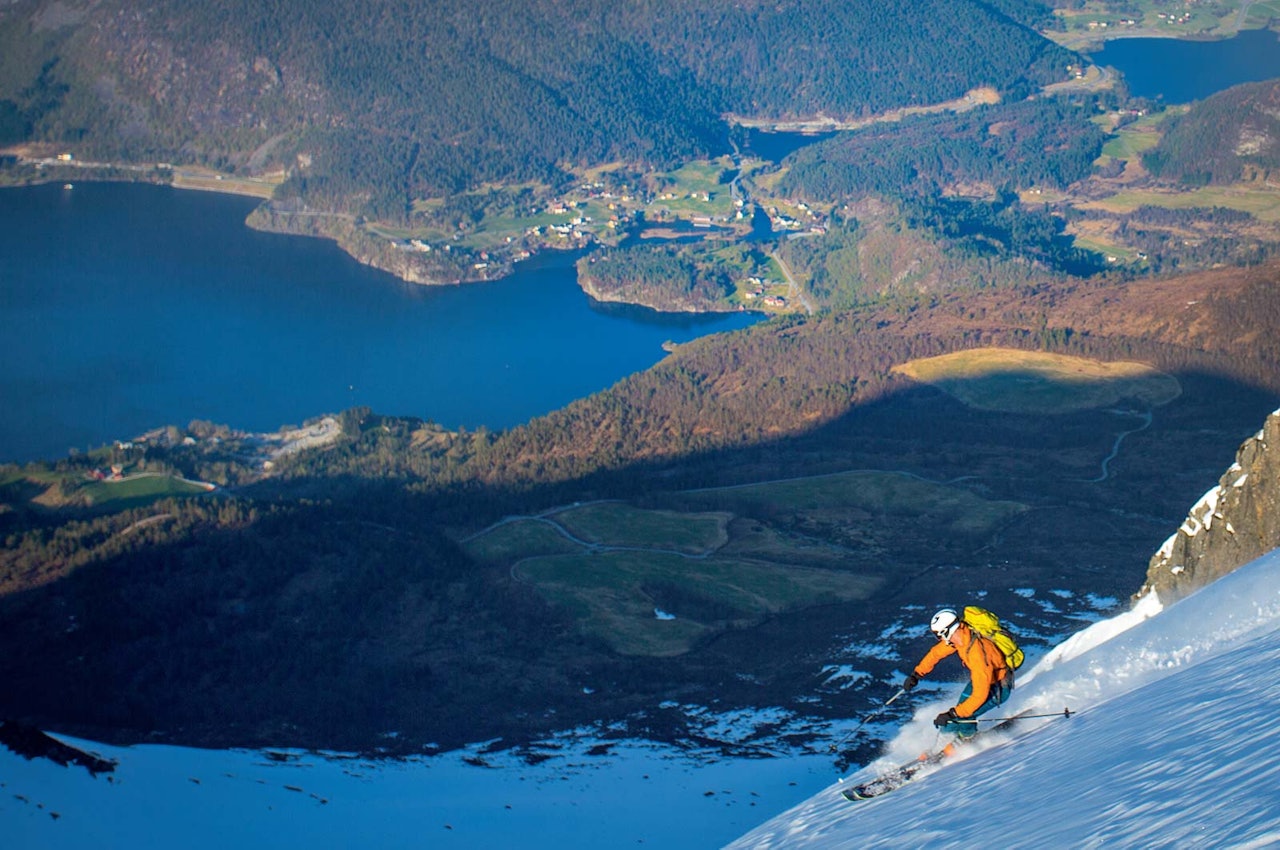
(1170, 18)
(1123, 22)
(757, 292)
(782, 221)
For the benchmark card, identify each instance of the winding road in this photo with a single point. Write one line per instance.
(1115, 448)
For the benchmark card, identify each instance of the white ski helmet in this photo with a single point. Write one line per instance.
(944, 623)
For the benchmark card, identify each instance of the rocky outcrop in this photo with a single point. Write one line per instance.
(31, 743)
(1230, 526)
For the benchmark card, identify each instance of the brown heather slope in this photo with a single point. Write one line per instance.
(1219, 310)
(785, 379)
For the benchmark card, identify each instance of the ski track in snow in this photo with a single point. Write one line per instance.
(1175, 744)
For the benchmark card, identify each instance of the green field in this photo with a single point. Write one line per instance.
(1016, 381)
(695, 189)
(655, 582)
(1129, 144)
(1122, 253)
(661, 604)
(701, 176)
(847, 498)
(1145, 16)
(136, 491)
(600, 525)
(1261, 14)
(1261, 201)
(619, 524)
(1131, 140)
(512, 541)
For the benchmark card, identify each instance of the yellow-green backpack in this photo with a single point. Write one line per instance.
(987, 624)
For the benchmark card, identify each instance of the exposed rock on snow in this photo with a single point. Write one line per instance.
(1231, 525)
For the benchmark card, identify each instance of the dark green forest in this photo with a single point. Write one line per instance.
(1227, 137)
(378, 103)
(1046, 142)
(664, 277)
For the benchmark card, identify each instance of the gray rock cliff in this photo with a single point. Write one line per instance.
(1230, 526)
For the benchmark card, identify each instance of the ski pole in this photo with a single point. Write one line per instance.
(873, 715)
(1066, 712)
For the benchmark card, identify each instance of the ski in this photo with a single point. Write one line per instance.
(899, 776)
(896, 778)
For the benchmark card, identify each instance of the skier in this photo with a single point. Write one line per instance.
(990, 679)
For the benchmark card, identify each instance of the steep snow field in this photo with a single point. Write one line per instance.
(1176, 743)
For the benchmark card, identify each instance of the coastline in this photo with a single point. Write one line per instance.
(816, 125)
(53, 166)
(1089, 43)
(1094, 40)
(438, 269)
(48, 168)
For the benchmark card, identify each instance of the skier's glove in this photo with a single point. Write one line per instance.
(944, 718)
(911, 681)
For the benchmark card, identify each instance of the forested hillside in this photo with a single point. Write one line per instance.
(1233, 135)
(338, 601)
(341, 593)
(956, 175)
(1042, 142)
(379, 103)
(763, 384)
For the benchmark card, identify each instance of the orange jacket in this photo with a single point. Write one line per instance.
(980, 656)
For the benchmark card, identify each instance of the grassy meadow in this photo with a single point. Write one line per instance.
(1015, 381)
(655, 582)
(134, 492)
(848, 498)
(660, 604)
(621, 525)
(1261, 201)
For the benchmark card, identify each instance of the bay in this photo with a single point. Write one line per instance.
(125, 307)
(1182, 70)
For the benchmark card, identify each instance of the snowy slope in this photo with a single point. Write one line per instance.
(1176, 744)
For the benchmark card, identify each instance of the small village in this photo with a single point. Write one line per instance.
(706, 202)
(1146, 17)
